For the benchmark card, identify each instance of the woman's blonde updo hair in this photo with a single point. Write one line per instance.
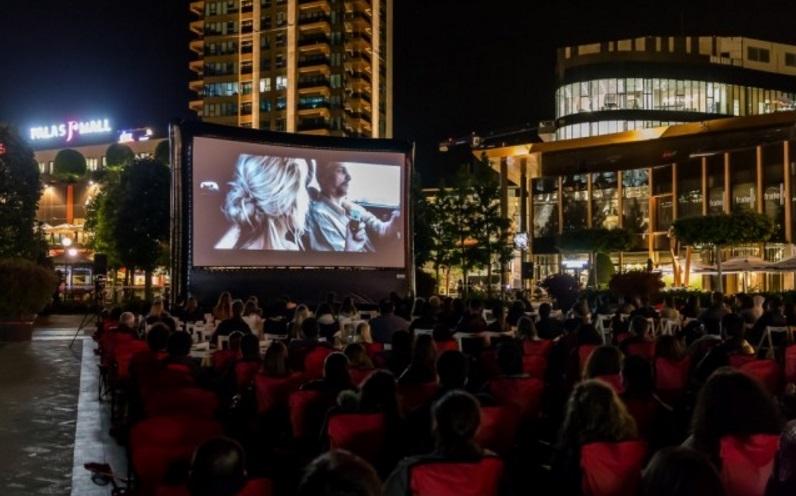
(267, 190)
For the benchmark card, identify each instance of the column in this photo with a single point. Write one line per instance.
(504, 212)
(727, 208)
(788, 186)
(759, 175)
(292, 66)
(705, 198)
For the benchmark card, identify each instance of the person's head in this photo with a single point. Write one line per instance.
(518, 307)
(747, 302)
(334, 179)
(456, 419)
(335, 370)
(668, 300)
(604, 360)
(127, 319)
(693, 301)
(509, 358)
(732, 403)
(324, 309)
(157, 307)
(234, 341)
(218, 468)
(637, 376)
(357, 356)
(434, 303)
(339, 473)
(237, 308)
(224, 298)
(310, 328)
(475, 306)
(250, 308)
(386, 307)
(733, 326)
(526, 328)
(250, 347)
(378, 393)
(572, 326)
(269, 192)
(669, 347)
(775, 304)
(275, 360)
(639, 326)
(595, 414)
(157, 337)
(452, 369)
(191, 304)
(424, 354)
(677, 471)
(348, 305)
(544, 310)
(302, 312)
(363, 331)
(179, 344)
(717, 298)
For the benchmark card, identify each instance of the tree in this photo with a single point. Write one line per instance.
(102, 215)
(636, 283)
(163, 153)
(118, 155)
(489, 227)
(141, 229)
(594, 241)
(442, 232)
(69, 166)
(460, 210)
(421, 235)
(722, 230)
(20, 189)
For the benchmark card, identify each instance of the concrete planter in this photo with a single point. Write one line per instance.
(16, 330)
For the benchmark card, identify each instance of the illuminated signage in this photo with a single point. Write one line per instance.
(69, 130)
(131, 135)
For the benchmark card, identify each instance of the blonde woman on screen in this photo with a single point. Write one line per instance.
(267, 204)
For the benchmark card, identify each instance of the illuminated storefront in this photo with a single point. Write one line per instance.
(643, 180)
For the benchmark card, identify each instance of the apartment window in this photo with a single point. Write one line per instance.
(790, 59)
(280, 61)
(281, 20)
(281, 39)
(336, 80)
(246, 88)
(266, 4)
(757, 54)
(265, 84)
(246, 108)
(281, 103)
(281, 82)
(279, 125)
(265, 105)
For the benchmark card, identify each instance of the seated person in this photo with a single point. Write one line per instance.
(773, 317)
(473, 320)
(422, 368)
(499, 314)
(218, 468)
(457, 417)
(157, 313)
(298, 348)
(232, 324)
(127, 324)
(178, 351)
(336, 377)
(639, 333)
(547, 327)
(516, 311)
(387, 323)
(337, 473)
(712, 315)
(191, 312)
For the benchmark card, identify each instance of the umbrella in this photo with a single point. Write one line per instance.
(787, 265)
(745, 264)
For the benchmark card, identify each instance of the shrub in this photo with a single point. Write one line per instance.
(27, 288)
(636, 284)
(564, 288)
(69, 165)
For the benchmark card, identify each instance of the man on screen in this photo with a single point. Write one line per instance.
(338, 224)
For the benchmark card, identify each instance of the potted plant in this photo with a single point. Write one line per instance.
(27, 288)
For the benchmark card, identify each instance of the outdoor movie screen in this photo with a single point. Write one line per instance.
(264, 205)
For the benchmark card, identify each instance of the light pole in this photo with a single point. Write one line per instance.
(69, 252)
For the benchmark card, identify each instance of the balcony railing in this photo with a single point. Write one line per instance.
(313, 60)
(313, 105)
(360, 95)
(314, 17)
(313, 39)
(312, 124)
(359, 35)
(361, 75)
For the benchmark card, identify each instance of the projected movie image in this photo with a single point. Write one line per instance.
(267, 205)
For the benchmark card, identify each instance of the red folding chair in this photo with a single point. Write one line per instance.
(448, 345)
(221, 359)
(612, 469)
(157, 443)
(767, 372)
(360, 433)
(303, 405)
(541, 347)
(747, 463)
(123, 354)
(499, 426)
(790, 363)
(489, 364)
(412, 396)
(245, 373)
(534, 365)
(313, 362)
(253, 487)
(273, 392)
(737, 360)
(190, 402)
(525, 393)
(439, 478)
(645, 350)
(584, 352)
(671, 378)
(643, 412)
(358, 374)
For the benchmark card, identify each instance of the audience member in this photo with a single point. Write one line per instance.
(336, 377)
(385, 325)
(218, 469)
(339, 473)
(191, 312)
(232, 324)
(783, 479)
(669, 310)
(422, 368)
(223, 309)
(711, 316)
(473, 320)
(400, 354)
(681, 472)
(516, 312)
(275, 361)
(499, 314)
(547, 327)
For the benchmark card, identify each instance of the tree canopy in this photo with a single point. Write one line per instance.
(594, 240)
(118, 155)
(744, 226)
(20, 188)
(163, 153)
(69, 165)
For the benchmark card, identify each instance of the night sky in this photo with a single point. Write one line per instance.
(461, 65)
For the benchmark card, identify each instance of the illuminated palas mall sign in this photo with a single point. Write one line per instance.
(70, 130)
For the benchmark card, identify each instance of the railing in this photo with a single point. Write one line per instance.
(361, 75)
(313, 60)
(312, 40)
(312, 124)
(313, 105)
(312, 82)
(310, 18)
(361, 95)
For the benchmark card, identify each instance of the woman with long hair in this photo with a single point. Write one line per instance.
(223, 309)
(594, 414)
(267, 204)
(299, 316)
(422, 369)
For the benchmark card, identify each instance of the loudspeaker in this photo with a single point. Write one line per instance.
(100, 264)
(527, 270)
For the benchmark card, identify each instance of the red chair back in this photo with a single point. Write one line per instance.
(273, 392)
(190, 402)
(737, 360)
(123, 354)
(449, 345)
(158, 442)
(525, 393)
(643, 412)
(313, 362)
(747, 463)
(373, 349)
(541, 347)
(221, 359)
(767, 372)
(613, 380)
(644, 349)
(499, 426)
(253, 487)
(411, 396)
(245, 373)
(671, 378)
(489, 364)
(534, 365)
(790, 363)
(360, 433)
(301, 405)
(612, 469)
(481, 478)
(358, 375)
(584, 352)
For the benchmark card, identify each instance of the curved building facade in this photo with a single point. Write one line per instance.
(652, 81)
